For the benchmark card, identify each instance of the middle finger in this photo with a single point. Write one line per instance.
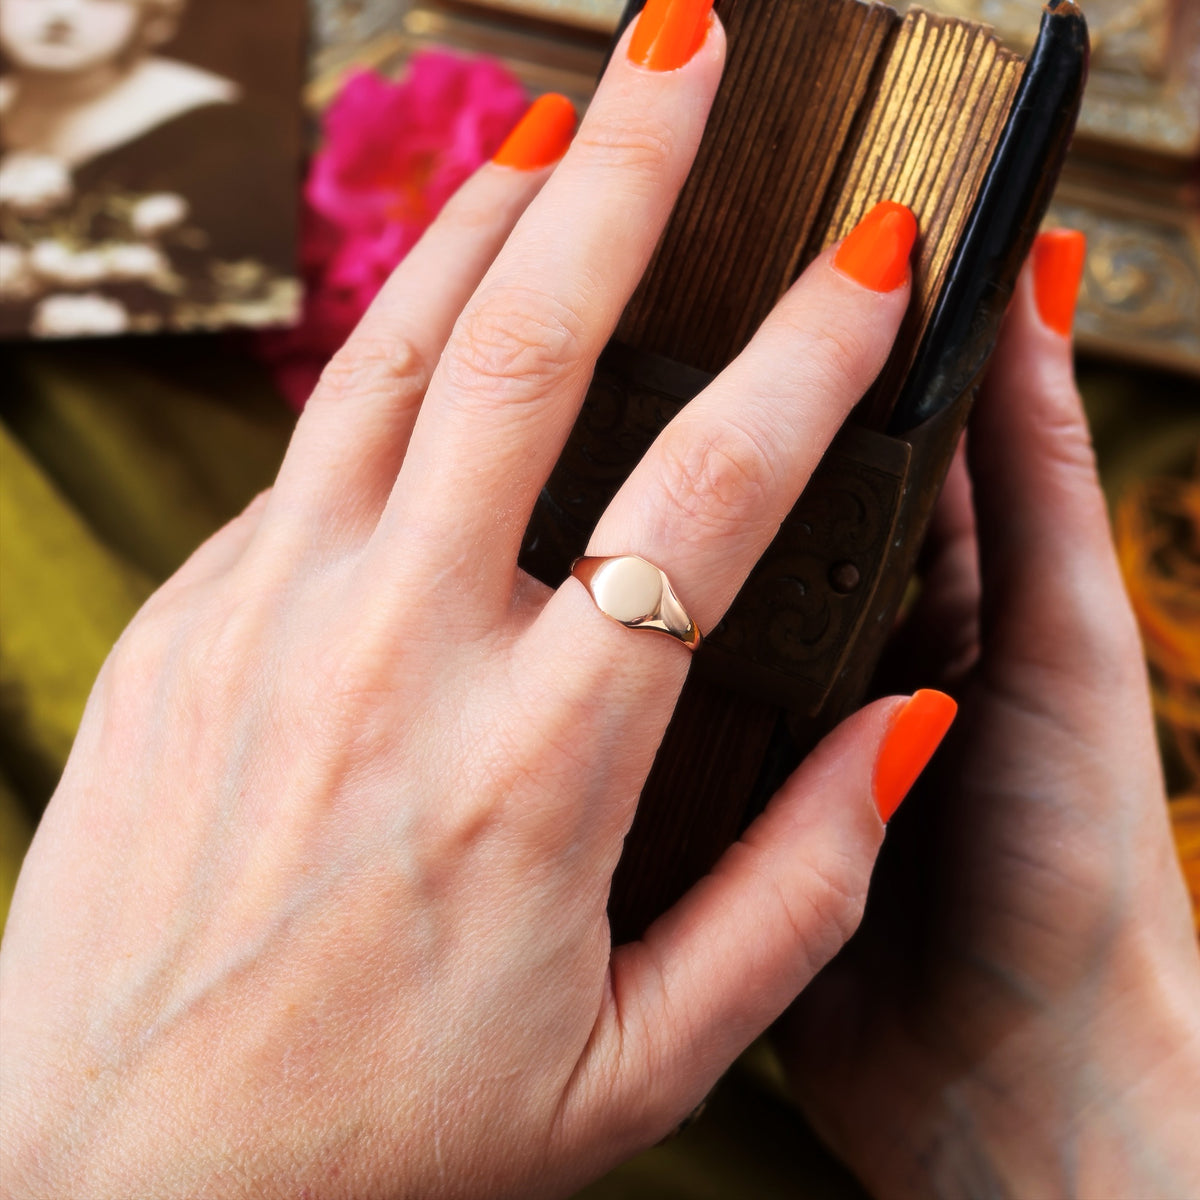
(509, 385)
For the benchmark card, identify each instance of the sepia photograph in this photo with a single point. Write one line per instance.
(150, 158)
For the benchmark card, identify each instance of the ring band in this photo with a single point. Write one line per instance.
(637, 594)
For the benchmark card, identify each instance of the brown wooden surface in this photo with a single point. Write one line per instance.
(795, 79)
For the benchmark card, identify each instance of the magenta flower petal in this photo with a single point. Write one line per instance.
(392, 153)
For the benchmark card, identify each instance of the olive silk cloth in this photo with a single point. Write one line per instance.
(118, 458)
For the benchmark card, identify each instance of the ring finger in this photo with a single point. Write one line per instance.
(712, 491)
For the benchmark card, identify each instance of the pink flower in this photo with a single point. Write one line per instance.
(392, 154)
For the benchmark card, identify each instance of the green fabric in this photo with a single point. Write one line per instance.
(116, 459)
(155, 444)
(64, 600)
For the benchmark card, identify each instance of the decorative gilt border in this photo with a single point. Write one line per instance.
(1141, 287)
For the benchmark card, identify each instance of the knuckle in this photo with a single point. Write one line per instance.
(232, 536)
(514, 346)
(468, 213)
(1065, 439)
(344, 681)
(842, 363)
(372, 367)
(255, 508)
(218, 650)
(826, 353)
(135, 664)
(825, 910)
(1093, 640)
(643, 149)
(721, 477)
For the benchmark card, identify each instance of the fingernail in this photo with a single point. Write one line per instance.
(876, 251)
(917, 731)
(542, 135)
(668, 33)
(1058, 257)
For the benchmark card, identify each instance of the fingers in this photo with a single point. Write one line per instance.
(509, 386)
(715, 971)
(1052, 591)
(711, 493)
(352, 437)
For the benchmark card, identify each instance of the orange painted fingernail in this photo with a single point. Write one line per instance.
(1058, 258)
(876, 251)
(917, 731)
(542, 135)
(668, 33)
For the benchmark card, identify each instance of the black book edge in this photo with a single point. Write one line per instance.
(1000, 231)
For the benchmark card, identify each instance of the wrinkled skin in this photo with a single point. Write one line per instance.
(318, 908)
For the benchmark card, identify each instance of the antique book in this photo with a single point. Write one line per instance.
(826, 107)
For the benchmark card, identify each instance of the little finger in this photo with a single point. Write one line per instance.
(352, 437)
(1053, 598)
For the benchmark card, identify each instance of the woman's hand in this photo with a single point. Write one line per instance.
(319, 905)
(1020, 1013)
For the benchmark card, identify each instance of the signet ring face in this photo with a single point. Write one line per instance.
(637, 594)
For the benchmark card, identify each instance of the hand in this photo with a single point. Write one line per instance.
(1020, 1012)
(319, 905)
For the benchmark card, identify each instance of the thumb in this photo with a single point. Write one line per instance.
(1052, 592)
(713, 972)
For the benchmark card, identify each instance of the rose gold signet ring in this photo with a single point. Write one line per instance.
(636, 594)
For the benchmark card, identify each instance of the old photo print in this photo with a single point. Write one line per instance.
(150, 159)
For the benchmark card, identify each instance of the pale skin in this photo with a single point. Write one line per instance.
(319, 905)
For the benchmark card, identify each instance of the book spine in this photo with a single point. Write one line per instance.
(1000, 231)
